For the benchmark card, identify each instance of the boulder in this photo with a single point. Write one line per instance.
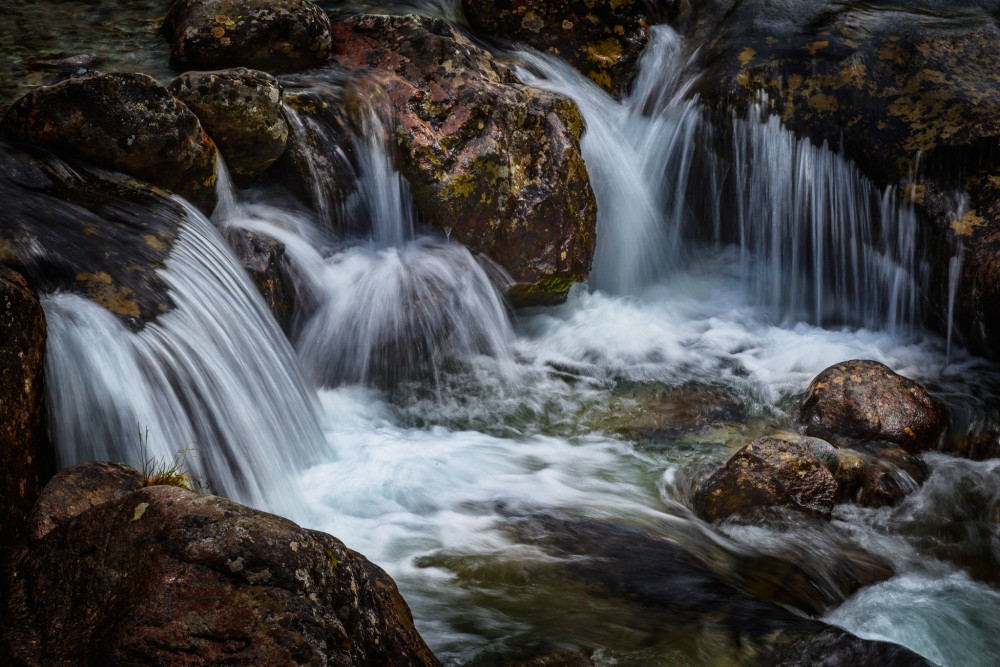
(123, 121)
(241, 110)
(264, 259)
(494, 163)
(25, 455)
(891, 474)
(771, 472)
(601, 38)
(270, 35)
(165, 576)
(860, 401)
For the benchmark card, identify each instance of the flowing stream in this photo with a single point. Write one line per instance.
(410, 413)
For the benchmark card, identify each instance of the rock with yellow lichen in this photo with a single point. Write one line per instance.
(771, 472)
(601, 38)
(164, 576)
(25, 454)
(124, 121)
(490, 161)
(270, 35)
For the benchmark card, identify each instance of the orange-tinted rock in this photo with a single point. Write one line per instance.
(494, 163)
(859, 401)
(771, 472)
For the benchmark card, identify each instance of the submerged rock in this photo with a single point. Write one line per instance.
(270, 35)
(771, 472)
(860, 401)
(494, 163)
(242, 113)
(165, 576)
(891, 474)
(601, 38)
(25, 455)
(123, 121)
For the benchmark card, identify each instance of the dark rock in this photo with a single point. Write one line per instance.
(124, 121)
(241, 110)
(270, 35)
(492, 162)
(891, 473)
(555, 658)
(73, 491)
(263, 259)
(25, 455)
(771, 472)
(601, 38)
(166, 576)
(859, 401)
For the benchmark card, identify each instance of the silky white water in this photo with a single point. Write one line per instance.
(432, 419)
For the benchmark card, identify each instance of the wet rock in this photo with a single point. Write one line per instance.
(103, 235)
(859, 401)
(270, 35)
(124, 121)
(771, 472)
(241, 110)
(601, 38)
(162, 575)
(891, 474)
(73, 491)
(25, 455)
(846, 465)
(550, 658)
(491, 162)
(263, 259)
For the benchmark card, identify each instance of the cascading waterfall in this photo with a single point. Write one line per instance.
(819, 241)
(639, 155)
(215, 375)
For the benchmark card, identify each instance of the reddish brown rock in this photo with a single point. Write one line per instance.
(859, 401)
(492, 162)
(124, 121)
(270, 35)
(601, 38)
(25, 457)
(771, 472)
(164, 576)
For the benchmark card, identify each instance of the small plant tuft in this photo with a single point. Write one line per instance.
(157, 472)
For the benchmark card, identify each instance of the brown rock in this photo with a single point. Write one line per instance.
(891, 474)
(25, 455)
(165, 576)
(769, 472)
(493, 162)
(263, 259)
(75, 490)
(270, 35)
(858, 401)
(601, 38)
(125, 121)
(241, 110)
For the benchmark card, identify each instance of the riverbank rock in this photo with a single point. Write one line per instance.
(494, 163)
(601, 38)
(241, 111)
(771, 472)
(860, 401)
(270, 35)
(25, 455)
(166, 576)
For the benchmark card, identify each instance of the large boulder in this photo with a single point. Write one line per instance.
(860, 401)
(770, 472)
(601, 38)
(241, 110)
(25, 456)
(163, 576)
(270, 35)
(124, 121)
(495, 163)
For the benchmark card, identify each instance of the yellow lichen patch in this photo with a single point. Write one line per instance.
(967, 223)
(815, 47)
(746, 55)
(821, 102)
(601, 78)
(101, 289)
(153, 242)
(913, 193)
(607, 51)
(218, 32)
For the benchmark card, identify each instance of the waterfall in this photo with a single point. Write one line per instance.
(639, 155)
(215, 375)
